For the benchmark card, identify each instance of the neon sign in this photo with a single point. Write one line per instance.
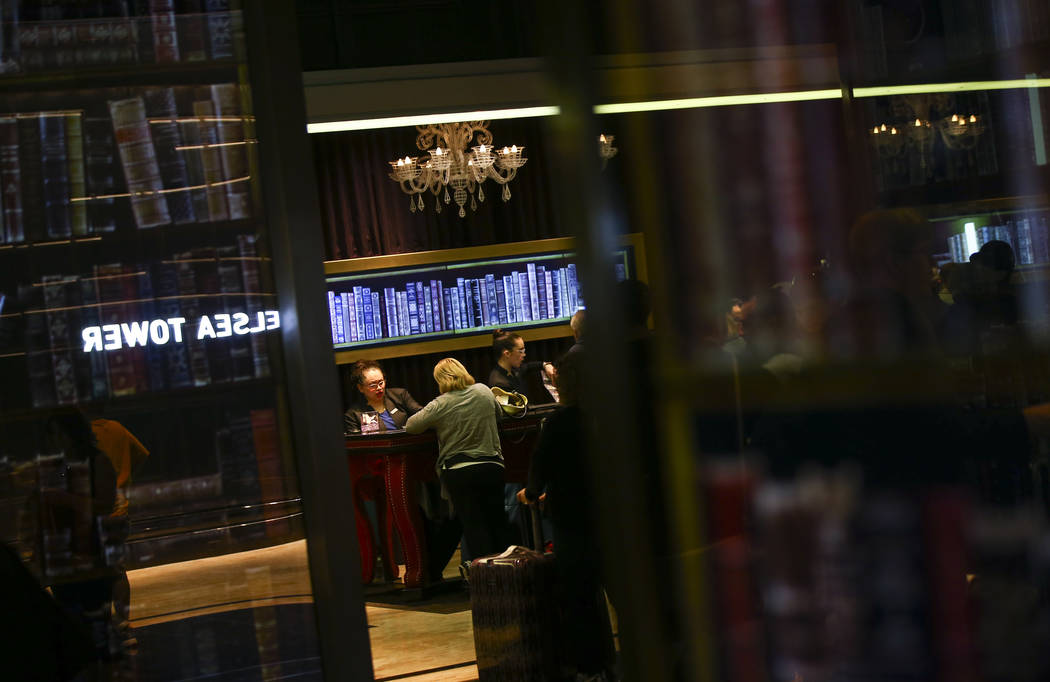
(162, 331)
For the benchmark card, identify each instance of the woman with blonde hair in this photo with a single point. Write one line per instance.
(470, 462)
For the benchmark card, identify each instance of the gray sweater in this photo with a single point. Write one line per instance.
(465, 421)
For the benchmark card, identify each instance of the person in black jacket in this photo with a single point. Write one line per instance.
(511, 368)
(392, 405)
(558, 476)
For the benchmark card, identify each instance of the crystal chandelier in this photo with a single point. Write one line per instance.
(957, 131)
(605, 149)
(450, 165)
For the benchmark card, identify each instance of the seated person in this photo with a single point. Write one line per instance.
(393, 405)
(510, 369)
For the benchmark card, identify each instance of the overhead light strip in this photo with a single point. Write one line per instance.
(424, 119)
(675, 104)
(968, 86)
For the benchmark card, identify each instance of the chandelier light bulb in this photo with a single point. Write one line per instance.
(875, 130)
(601, 138)
(918, 123)
(973, 119)
(893, 131)
(955, 117)
(505, 150)
(514, 149)
(883, 127)
(438, 151)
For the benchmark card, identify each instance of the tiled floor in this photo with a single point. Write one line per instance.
(264, 595)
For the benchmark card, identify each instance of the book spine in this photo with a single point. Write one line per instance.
(507, 305)
(39, 364)
(102, 175)
(447, 296)
(246, 248)
(446, 321)
(457, 313)
(484, 320)
(165, 32)
(1040, 240)
(534, 298)
(90, 317)
(338, 331)
(57, 303)
(377, 317)
(220, 29)
(350, 303)
(331, 316)
(55, 168)
(435, 306)
(176, 357)
(574, 288)
(501, 302)
(208, 282)
(77, 176)
(211, 160)
(425, 306)
(1024, 242)
(554, 287)
(160, 109)
(366, 301)
(147, 310)
(141, 171)
(32, 177)
(121, 363)
(227, 100)
(390, 297)
(563, 280)
(461, 286)
(551, 296)
(359, 310)
(493, 309)
(402, 314)
(515, 287)
(348, 331)
(200, 368)
(191, 30)
(476, 311)
(539, 293)
(527, 304)
(413, 308)
(11, 181)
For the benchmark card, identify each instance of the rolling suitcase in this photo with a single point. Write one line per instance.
(515, 613)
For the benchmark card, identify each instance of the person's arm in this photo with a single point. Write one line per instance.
(410, 404)
(424, 419)
(352, 421)
(539, 464)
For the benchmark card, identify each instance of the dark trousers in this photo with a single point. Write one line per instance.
(588, 633)
(477, 500)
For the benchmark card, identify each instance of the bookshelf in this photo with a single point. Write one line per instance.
(132, 194)
(452, 299)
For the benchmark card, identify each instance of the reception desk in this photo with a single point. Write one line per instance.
(387, 467)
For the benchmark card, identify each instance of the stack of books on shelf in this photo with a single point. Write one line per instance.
(1028, 236)
(191, 284)
(39, 35)
(175, 156)
(534, 294)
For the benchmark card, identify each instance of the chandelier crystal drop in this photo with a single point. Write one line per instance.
(452, 163)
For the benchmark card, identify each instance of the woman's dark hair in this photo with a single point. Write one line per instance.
(357, 373)
(502, 341)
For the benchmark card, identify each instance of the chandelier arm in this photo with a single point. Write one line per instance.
(499, 177)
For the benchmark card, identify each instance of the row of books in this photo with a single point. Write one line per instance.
(987, 26)
(163, 156)
(533, 294)
(1028, 236)
(205, 281)
(819, 579)
(38, 35)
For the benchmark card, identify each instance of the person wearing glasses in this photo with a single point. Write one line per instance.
(392, 405)
(509, 372)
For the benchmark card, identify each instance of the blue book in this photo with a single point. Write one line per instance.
(337, 314)
(574, 287)
(447, 296)
(331, 316)
(515, 288)
(564, 284)
(390, 301)
(476, 315)
(501, 302)
(550, 294)
(359, 312)
(366, 298)
(508, 298)
(377, 317)
(461, 285)
(402, 314)
(534, 301)
(347, 330)
(426, 320)
(413, 308)
(555, 286)
(490, 286)
(540, 294)
(485, 320)
(436, 306)
(1025, 253)
(526, 298)
(350, 303)
(456, 309)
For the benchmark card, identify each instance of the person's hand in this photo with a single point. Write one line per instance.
(522, 498)
(549, 370)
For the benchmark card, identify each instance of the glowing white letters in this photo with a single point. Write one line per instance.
(160, 332)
